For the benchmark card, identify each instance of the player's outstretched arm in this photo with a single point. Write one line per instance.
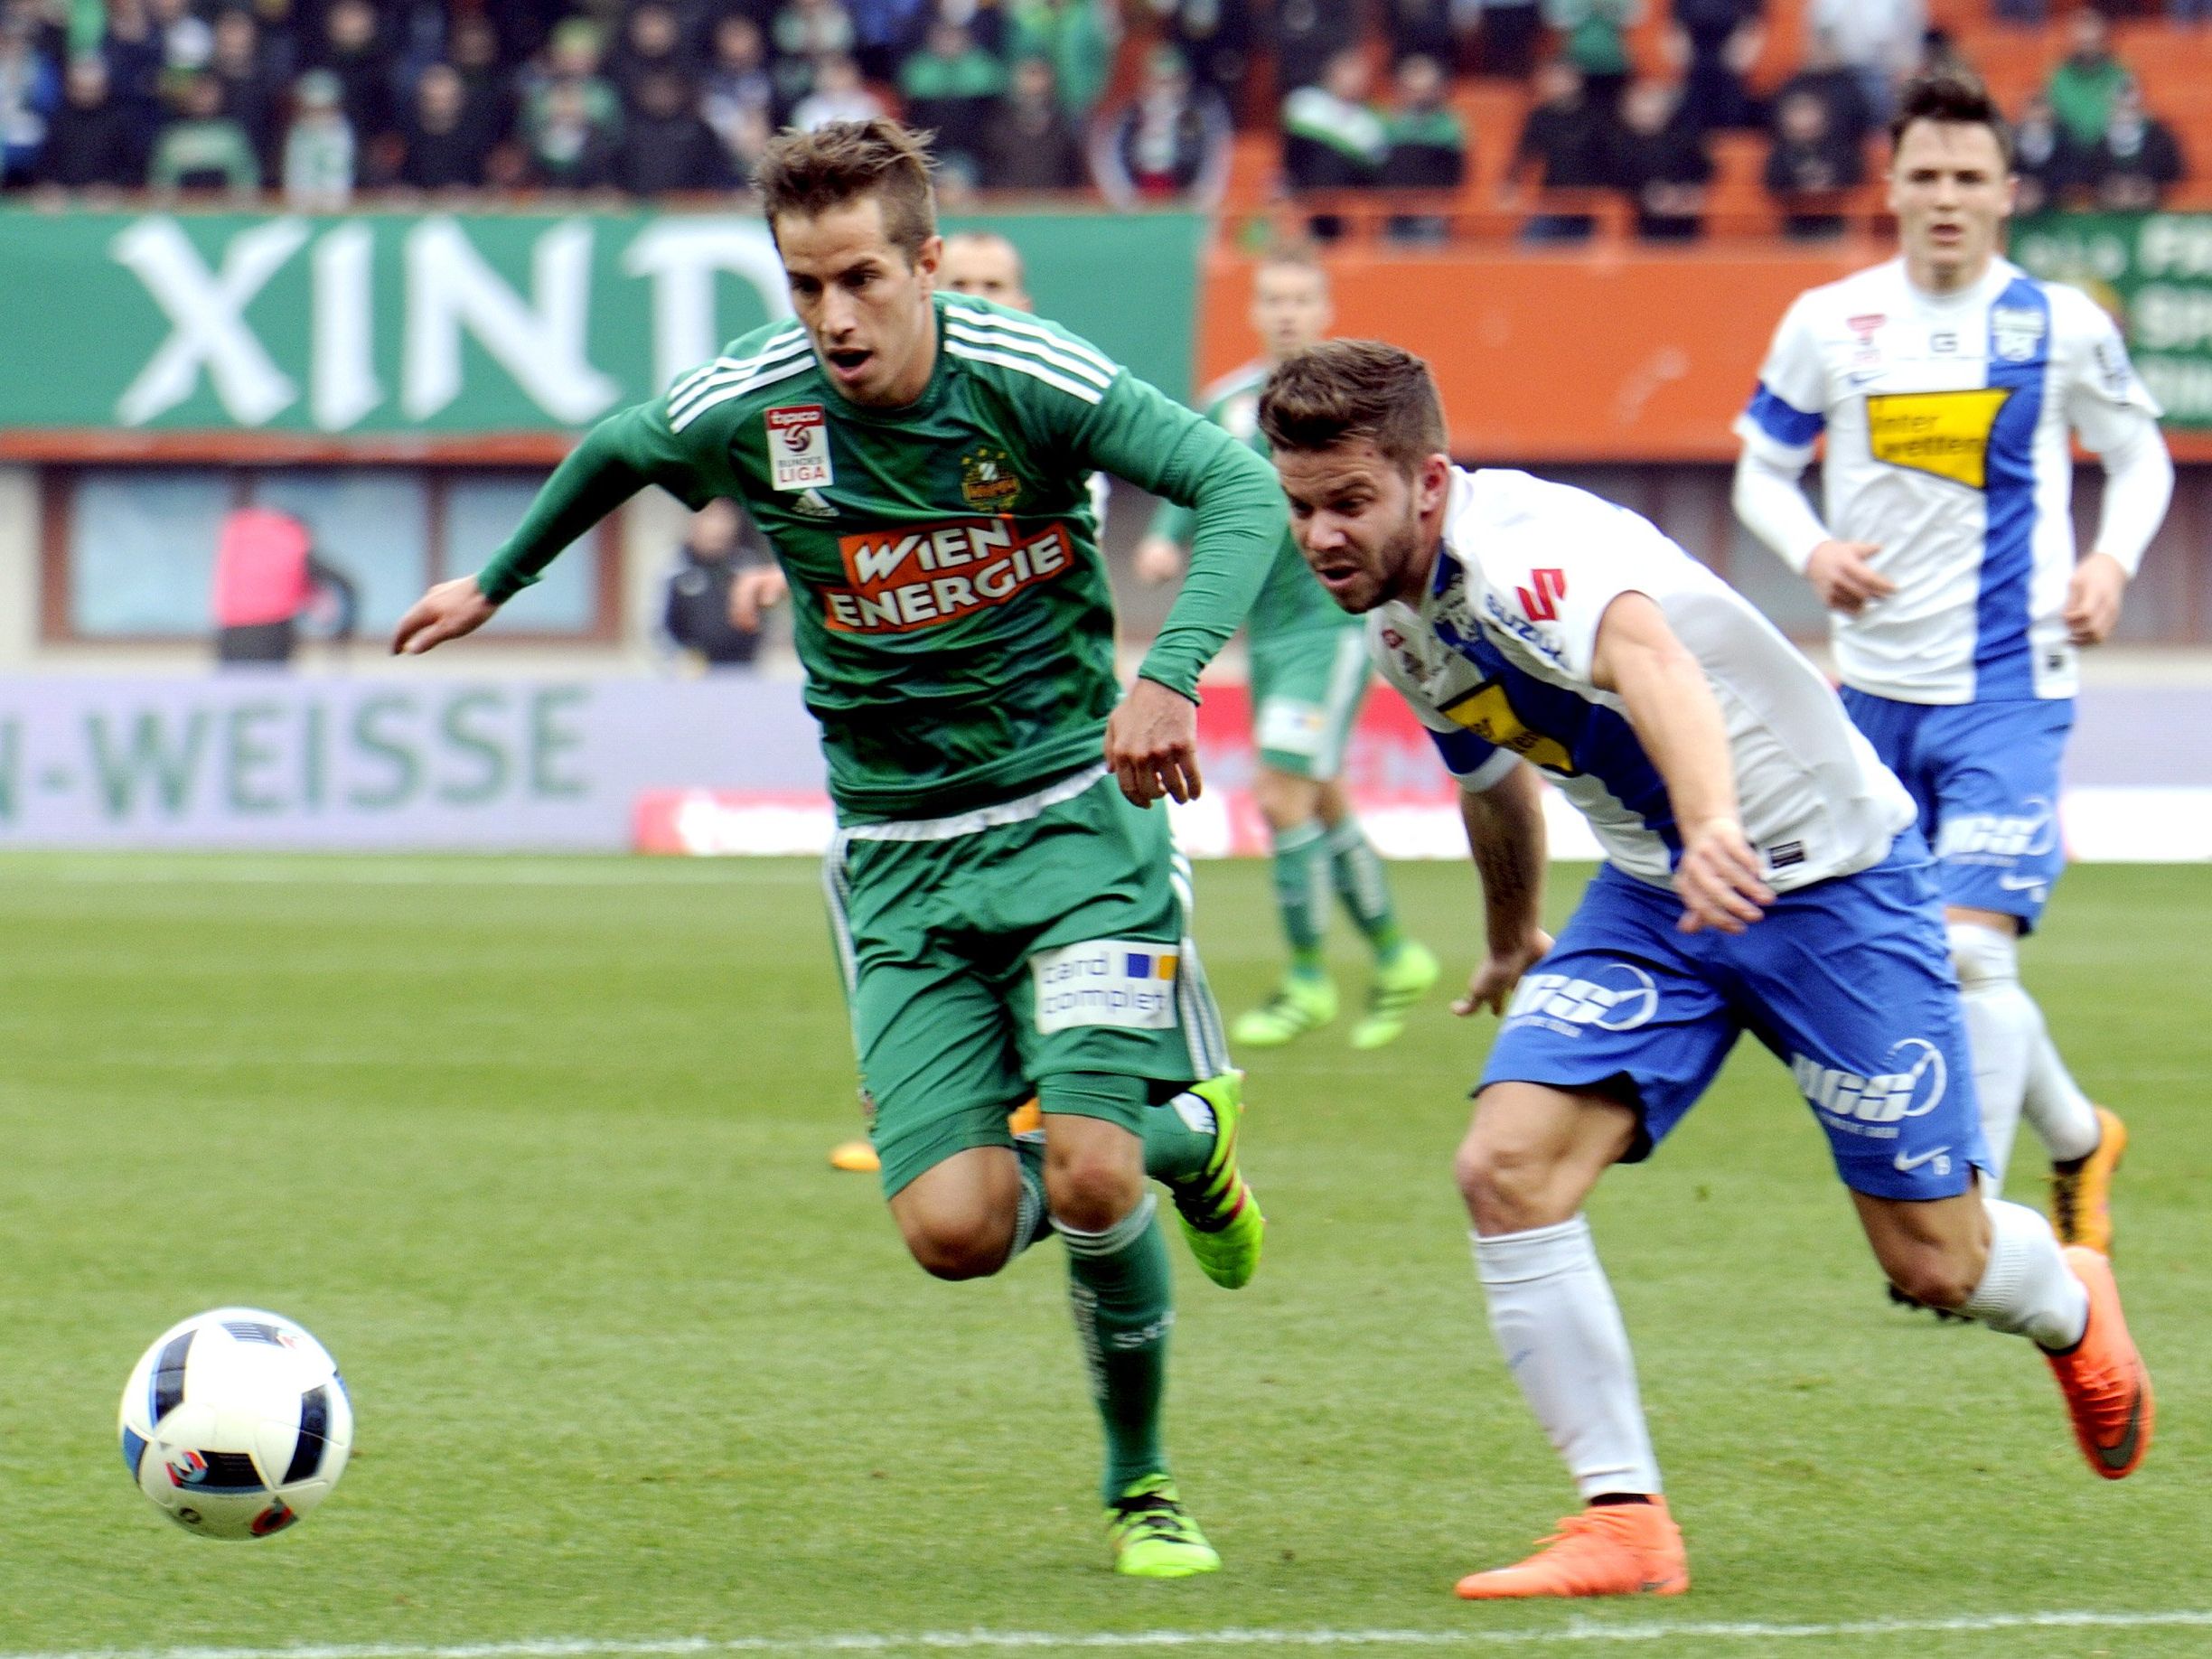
(1664, 691)
(1505, 833)
(618, 458)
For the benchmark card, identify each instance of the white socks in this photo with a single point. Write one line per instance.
(2062, 1114)
(2027, 1289)
(2002, 1024)
(2015, 1064)
(1556, 1323)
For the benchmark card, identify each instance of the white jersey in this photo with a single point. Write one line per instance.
(1495, 662)
(1947, 419)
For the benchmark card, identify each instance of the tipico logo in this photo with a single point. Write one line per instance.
(1913, 1089)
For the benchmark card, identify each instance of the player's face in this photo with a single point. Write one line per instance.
(1368, 531)
(1290, 310)
(1951, 193)
(988, 269)
(865, 304)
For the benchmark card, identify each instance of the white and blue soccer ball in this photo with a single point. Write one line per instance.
(236, 1423)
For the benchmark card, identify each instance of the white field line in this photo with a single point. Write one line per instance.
(464, 872)
(1575, 1631)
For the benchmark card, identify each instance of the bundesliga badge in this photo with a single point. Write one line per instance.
(799, 446)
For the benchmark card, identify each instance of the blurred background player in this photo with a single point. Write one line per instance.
(1762, 873)
(1947, 381)
(1008, 913)
(1308, 676)
(717, 548)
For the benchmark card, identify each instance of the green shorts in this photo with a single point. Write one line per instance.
(1305, 690)
(987, 952)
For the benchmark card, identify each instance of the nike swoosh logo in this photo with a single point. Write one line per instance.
(1906, 1166)
(2021, 884)
(2122, 1452)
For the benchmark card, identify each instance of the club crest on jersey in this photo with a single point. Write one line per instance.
(987, 481)
(799, 446)
(2016, 332)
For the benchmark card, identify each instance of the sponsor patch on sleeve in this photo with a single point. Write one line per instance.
(1127, 983)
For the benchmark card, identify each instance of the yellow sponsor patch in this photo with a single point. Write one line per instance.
(1489, 714)
(1944, 433)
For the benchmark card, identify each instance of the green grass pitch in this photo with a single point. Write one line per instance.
(536, 1147)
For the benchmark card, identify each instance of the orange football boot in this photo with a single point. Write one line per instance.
(1608, 1549)
(2106, 1389)
(1025, 1118)
(2081, 1191)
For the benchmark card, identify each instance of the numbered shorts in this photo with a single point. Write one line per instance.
(1848, 981)
(986, 953)
(1306, 689)
(1985, 778)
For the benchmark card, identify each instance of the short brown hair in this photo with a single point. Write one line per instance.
(1951, 99)
(809, 174)
(1342, 392)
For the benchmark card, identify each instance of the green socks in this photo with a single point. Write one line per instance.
(1301, 889)
(1178, 1139)
(1120, 1289)
(1362, 886)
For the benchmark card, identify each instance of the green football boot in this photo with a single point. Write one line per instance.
(1400, 979)
(1301, 1003)
(1221, 1217)
(1153, 1534)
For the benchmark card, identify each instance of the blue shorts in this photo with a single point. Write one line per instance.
(1848, 981)
(1985, 778)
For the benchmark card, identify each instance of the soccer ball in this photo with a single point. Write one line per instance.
(236, 1423)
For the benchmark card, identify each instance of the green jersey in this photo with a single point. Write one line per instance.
(1291, 600)
(951, 606)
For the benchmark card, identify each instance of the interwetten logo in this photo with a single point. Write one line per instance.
(1849, 1102)
(1620, 998)
(904, 579)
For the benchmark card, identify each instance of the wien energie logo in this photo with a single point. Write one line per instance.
(906, 579)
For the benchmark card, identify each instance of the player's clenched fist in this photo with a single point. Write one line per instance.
(1843, 577)
(754, 594)
(1152, 745)
(447, 612)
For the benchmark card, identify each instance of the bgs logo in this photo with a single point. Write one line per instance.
(1998, 838)
(1620, 998)
(1849, 1099)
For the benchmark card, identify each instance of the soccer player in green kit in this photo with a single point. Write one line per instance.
(1309, 677)
(1005, 915)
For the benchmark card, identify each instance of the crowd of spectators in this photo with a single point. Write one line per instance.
(318, 99)
(1594, 131)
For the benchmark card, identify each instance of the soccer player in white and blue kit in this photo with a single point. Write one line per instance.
(1763, 873)
(1946, 383)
